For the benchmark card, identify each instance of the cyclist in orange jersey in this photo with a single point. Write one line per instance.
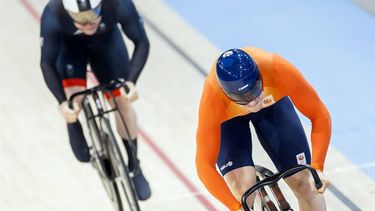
(252, 85)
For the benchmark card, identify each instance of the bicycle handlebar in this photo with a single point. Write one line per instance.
(115, 84)
(276, 177)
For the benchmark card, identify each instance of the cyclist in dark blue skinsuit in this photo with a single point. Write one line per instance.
(75, 33)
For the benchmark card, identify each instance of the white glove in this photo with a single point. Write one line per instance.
(132, 95)
(70, 115)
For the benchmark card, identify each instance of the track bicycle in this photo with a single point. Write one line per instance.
(266, 177)
(106, 154)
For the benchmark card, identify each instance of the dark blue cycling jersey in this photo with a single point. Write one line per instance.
(105, 50)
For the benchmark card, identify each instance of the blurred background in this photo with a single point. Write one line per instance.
(331, 42)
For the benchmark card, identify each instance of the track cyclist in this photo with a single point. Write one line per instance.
(75, 33)
(253, 85)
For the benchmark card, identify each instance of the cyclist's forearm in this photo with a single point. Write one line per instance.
(53, 82)
(320, 139)
(138, 61)
(216, 185)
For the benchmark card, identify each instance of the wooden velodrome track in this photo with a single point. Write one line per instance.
(38, 170)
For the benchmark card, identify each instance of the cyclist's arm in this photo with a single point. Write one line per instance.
(50, 45)
(208, 144)
(132, 25)
(308, 102)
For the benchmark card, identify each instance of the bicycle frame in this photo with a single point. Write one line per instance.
(105, 145)
(272, 180)
(263, 173)
(101, 112)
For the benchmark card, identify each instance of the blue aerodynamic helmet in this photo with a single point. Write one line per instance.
(239, 76)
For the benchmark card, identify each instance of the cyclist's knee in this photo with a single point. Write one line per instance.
(122, 103)
(121, 100)
(240, 180)
(300, 183)
(129, 115)
(70, 90)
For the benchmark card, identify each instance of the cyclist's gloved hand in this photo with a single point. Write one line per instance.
(132, 94)
(324, 180)
(70, 115)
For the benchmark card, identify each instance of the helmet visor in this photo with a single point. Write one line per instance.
(88, 16)
(247, 97)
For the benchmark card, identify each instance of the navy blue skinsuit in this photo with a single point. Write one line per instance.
(65, 52)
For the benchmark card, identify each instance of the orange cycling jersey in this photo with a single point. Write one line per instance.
(280, 79)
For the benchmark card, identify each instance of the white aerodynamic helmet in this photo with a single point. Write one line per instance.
(83, 11)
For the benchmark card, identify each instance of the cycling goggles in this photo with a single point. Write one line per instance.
(86, 17)
(249, 96)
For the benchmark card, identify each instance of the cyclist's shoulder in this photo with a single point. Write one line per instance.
(213, 99)
(126, 5)
(125, 9)
(53, 8)
(263, 58)
(211, 84)
(51, 13)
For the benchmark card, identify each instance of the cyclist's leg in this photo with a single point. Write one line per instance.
(130, 117)
(235, 157)
(281, 134)
(109, 61)
(303, 189)
(71, 65)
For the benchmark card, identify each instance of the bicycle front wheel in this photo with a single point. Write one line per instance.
(125, 191)
(263, 173)
(100, 158)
